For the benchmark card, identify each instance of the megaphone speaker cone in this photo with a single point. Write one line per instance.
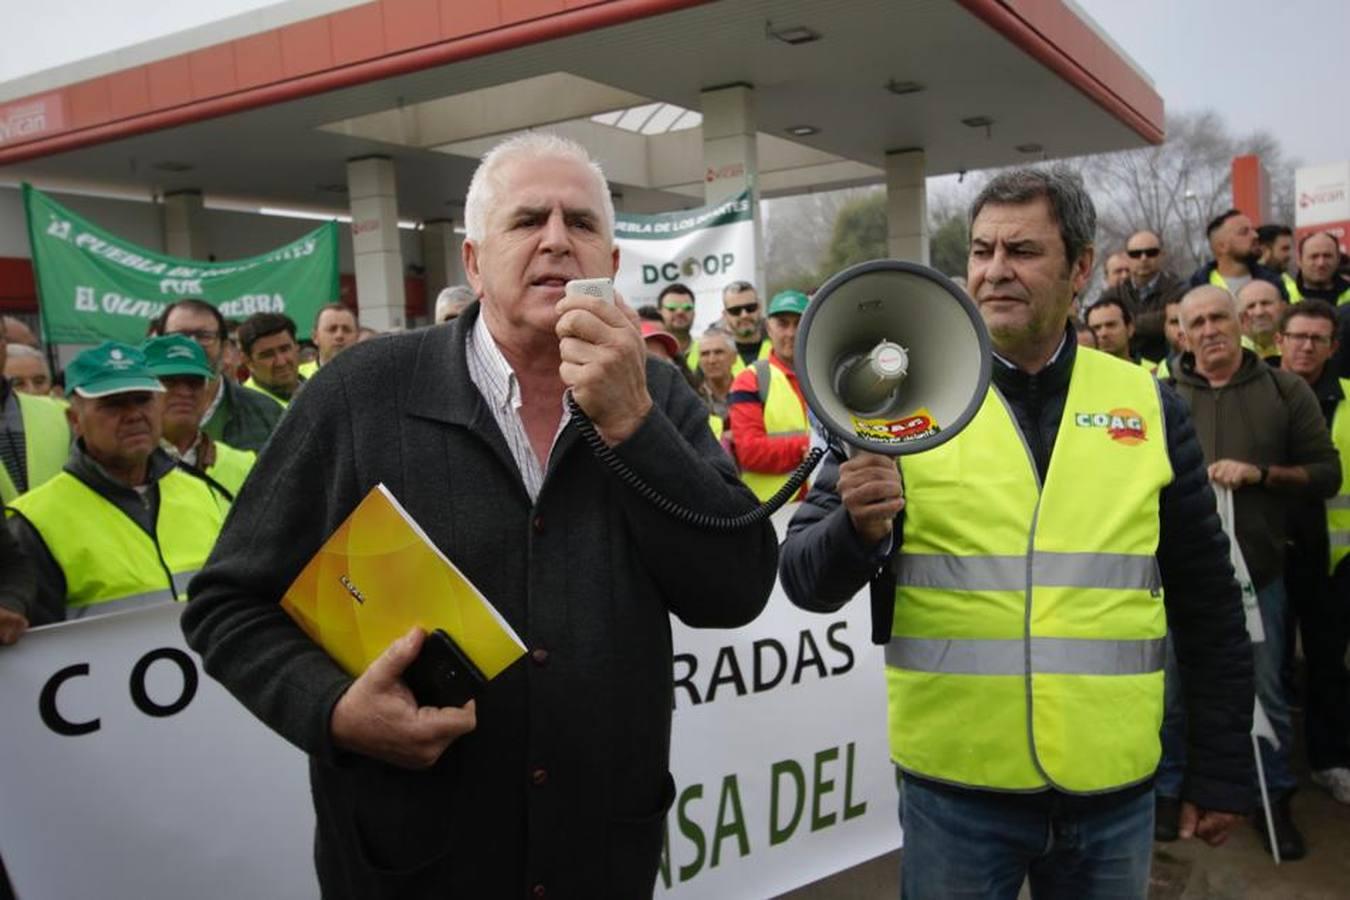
(892, 357)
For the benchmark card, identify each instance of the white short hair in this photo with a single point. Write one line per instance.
(527, 146)
(23, 351)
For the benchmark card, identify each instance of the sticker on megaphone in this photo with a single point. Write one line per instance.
(910, 427)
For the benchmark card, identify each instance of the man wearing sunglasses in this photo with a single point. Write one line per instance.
(676, 304)
(742, 316)
(1146, 292)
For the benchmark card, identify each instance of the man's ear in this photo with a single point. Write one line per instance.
(469, 252)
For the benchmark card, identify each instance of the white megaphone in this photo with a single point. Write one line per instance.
(892, 357)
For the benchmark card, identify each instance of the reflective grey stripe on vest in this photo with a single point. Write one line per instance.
(1120, 571)
(1339, 538)
(137, 601)
(1049, 656)
(785, 433)
(1340, 502)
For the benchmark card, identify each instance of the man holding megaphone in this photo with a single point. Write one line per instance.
(1018, 573)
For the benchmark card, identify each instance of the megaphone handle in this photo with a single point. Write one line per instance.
(706, 521)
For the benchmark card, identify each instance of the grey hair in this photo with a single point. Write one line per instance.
(738, 287)
(1069, 202)
(23, 351)
(717, 333)
(451, 300)
(529, 145)
(1204, 290)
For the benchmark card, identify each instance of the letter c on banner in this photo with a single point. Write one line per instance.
(51, 716)
(141, 698)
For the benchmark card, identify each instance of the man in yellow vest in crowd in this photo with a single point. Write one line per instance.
(1316, 575)
(183, 369)
(1232, 240)
(34, 436)
(335, 329)
(1113, 327)
(1275, 242)
(769, 427)
(1319, 258)
(272, 356)
(122, 526)
(743, 317)
(1021, 596)
(1260, 304)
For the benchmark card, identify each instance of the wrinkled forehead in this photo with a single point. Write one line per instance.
(1323, 242)
(1258, 293)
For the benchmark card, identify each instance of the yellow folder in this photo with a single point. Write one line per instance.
(377, 576)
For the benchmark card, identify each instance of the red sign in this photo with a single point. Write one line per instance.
(31, 118)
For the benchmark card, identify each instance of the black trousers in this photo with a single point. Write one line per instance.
(1322, 605)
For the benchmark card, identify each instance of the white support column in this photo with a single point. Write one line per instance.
(731, 155)
(906, 206)
(375, 246)
(184, 230)
(441, 256)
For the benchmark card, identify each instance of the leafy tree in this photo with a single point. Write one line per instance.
(859, 234)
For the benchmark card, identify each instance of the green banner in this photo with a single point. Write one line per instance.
(93, 286)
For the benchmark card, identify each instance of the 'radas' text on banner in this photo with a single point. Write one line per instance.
(93, 286)
(704, 249)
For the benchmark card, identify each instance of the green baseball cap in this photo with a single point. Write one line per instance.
(176, 354)
(788, 302)
(110, 368)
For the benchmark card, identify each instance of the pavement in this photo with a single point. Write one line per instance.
(1185, 870)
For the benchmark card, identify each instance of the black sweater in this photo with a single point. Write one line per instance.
(823, 565)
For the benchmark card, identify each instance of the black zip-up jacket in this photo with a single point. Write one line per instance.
(823, 565)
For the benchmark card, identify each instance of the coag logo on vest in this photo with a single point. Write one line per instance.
(1123, 425)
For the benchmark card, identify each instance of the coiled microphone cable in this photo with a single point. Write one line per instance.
(704, 521)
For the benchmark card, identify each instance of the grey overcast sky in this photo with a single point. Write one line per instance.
(1261, 64)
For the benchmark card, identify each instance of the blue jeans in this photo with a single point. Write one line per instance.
(977, 844)
(1268, 664)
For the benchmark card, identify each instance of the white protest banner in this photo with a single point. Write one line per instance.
(704, 249)
(130, 773)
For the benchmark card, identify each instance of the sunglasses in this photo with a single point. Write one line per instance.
(1150, 252)
(679, 307)
(744, 309)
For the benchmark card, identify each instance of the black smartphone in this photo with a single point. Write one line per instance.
(442, 674)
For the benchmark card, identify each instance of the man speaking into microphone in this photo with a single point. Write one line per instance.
(554, 781)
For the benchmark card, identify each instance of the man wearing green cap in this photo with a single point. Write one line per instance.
(34, 436)
(768, 415)
(183, 369)
(122, 525)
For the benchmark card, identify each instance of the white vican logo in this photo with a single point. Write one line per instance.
(116, 354)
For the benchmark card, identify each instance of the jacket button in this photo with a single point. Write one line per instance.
(539, 777)
(538, 524)
(538, 892)
(539, 656)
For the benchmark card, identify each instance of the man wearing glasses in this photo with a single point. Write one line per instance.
(241, 418)
(742, 317)
(1146, 292)
(676, 303)
(1307, 341)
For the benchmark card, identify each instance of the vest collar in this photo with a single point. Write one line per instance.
(1053, 379)
(91, 472)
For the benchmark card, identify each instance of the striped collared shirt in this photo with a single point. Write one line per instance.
(497, 382)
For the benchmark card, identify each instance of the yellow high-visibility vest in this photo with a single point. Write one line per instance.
(46, 443)
(253, 385)
(1296, 296)
(1338, 507)
(109, 562)
(1027, 648)
(784, 415)
(231, 467)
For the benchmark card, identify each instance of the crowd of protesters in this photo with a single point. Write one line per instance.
(118, 472)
